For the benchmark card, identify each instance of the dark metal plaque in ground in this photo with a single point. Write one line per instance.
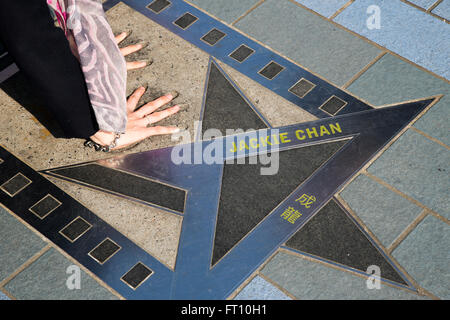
(225, 107)
(332, 235)
(247, 196)
(125, 184)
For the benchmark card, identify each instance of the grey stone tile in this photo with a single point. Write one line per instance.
(308, 39)
(425, 256)
(405, 30)
(46, 278)
(425, 4)
(443, 9)
(17, 243)
(393, 80)
(325, 7)
(384, 212)
(435, 121)
(226, 10)
(309, 280)
(3, 296)
(419, 168)
(260, 289)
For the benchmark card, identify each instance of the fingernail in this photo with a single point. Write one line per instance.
(183, 106)
(174, 94)
(143, 44)
(147, 62)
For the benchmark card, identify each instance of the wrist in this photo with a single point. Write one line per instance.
(104, 138)
(103, 141)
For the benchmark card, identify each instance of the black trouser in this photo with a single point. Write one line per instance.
(42, 53)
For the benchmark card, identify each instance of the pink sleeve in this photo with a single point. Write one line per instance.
(103, 65)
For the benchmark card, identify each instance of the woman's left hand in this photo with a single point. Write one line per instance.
(129, 50)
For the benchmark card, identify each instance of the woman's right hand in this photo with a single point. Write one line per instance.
(140, 121)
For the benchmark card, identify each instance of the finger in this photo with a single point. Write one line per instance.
(133, 100)
(159, 130)
(154, 105)
(137, 64)
(155, 117)
(120, 37)
(158, 116)
(131, 49)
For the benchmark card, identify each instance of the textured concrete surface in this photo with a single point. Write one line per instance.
(387, 218)
(308, 39)
(308, 280)
(18, 243)
(278, 111)
(47, 278)
(171, 70)
(425, 256)
(405, 30)
(154, 230)
(260, 289)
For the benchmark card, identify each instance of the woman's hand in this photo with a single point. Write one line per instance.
(139, 121)
(129, 50)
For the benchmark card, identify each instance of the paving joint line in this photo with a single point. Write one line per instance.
(431, 138)
(428, 11)
(360, 274)
(25, 265)
(385, 249)
(363, 70)
(255, 273)
(399, 134)
(256, 5)
(251, 277)
(278, 286)
(407, 231)
(198, 8)
(314, 73)
(389, 144)
(54, 246)
(373, 42)
(6, 293)
(345, 6)
(87, 271)
(414, 201)
(433, 6)
(361, 223)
